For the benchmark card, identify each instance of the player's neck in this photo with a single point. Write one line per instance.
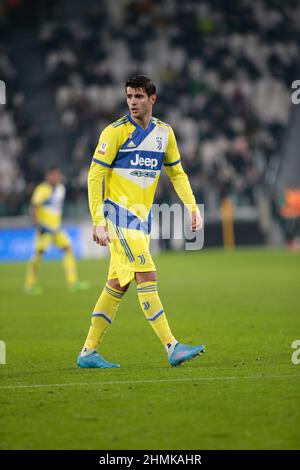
(143, 121)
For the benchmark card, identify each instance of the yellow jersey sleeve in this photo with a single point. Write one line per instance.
(172, 155)
(177, 174)
(95, 192)
(104, 155)
(41, 193)
(108, 146)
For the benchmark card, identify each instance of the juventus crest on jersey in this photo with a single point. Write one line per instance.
(132, 159)
(140, 158)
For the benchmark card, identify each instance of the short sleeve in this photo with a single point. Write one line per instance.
(172, 155)
(107, 147)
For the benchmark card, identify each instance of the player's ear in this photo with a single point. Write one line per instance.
(153, 99)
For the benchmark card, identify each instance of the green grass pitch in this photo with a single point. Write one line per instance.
(243, 393)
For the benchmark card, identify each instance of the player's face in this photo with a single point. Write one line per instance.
(139, 103)
(54, 177)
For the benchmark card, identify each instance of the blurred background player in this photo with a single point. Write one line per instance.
(289, 206)
(224, 71)
(46, 211)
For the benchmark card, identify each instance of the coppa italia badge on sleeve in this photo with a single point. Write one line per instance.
(102, 147)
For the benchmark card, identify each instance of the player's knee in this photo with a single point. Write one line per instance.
(114, 283)
(145, 277)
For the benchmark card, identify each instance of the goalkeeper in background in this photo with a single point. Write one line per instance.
(129, 158)
(46, 211)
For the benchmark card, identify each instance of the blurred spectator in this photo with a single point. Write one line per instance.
(17, 139)
(223, 71)
(223, 76)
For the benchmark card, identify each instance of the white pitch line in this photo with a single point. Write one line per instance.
(150, 381)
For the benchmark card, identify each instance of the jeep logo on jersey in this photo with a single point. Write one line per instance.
(150, 162)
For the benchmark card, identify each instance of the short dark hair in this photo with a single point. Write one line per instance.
(141, 81)
(51, 168)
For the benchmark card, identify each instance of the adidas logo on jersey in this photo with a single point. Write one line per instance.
(131, 144)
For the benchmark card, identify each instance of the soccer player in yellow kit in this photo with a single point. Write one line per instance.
(46, 210)
(129, 157)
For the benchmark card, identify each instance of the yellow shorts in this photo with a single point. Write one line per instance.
(59, 239)
(130, 253)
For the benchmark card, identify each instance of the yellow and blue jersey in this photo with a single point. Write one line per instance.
(131, 159)
(49, 202)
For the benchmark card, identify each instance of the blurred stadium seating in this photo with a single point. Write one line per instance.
(223, 68)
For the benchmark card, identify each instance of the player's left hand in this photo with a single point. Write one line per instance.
(197, 222)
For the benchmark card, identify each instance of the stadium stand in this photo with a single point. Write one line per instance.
(224, 80)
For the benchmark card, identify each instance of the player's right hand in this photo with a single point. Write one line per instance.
(100, 235)
(197, 221)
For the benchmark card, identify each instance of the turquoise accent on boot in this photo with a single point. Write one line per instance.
(183, 353)
(94, 360)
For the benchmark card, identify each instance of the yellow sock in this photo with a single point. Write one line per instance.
(154, 312)
(69, 264)
(31, 273)
(104, 313)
